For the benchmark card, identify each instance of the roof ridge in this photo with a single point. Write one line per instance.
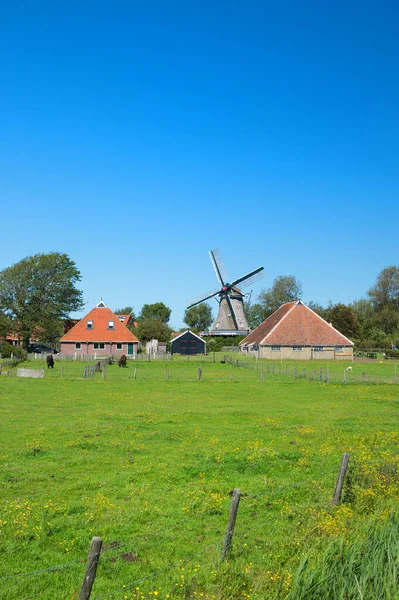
(329, 324)
(187, 331)
(279, 321)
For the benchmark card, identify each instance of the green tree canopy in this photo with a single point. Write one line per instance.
(199, 317)
(39, 290)
(385, 291)
(344, 318)
(285, 288)
(5, 325)
(150, 329)
(254, 314)
(155, 311)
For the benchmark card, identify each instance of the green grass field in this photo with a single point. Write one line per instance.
(148, 465)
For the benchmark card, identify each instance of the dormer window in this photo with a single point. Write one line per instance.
(111, 324)
(89, 325)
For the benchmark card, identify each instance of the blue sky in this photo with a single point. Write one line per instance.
(135, 137)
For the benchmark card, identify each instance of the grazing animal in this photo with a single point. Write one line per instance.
(50, 361)
(122, 361)
(349, 368)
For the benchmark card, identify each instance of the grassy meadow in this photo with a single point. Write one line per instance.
(149, 465)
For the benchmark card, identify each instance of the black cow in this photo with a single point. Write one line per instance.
(122, 361)
(50, 361)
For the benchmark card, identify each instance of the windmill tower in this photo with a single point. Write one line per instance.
(231, 318)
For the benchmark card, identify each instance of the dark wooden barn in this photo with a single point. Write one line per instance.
(188, 342)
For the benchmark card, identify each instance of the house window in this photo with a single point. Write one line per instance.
(99, 345)
(119, 346)
(78, 346)
(121, 318)
(111, 324)
(339, 348)
(89, 325)
(275, 348)
(297, 348)
(318, 348)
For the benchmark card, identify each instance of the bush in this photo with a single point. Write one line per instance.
(392, 354)
(7, 349)
(216, 343)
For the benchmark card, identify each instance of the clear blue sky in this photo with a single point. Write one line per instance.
(137, 136)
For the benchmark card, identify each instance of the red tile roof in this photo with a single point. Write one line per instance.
(100, 332)
(295, 324)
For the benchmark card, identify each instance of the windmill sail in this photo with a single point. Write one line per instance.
(231, 318)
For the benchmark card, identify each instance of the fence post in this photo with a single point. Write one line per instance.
(200, 373)
(231, 375)
(344, 376)
(340, 479)
(91, 568)
(62, 371)
(134, 373)
(231, 522)
(396, 379)
(364, 377)
(321, 373)
(104, 372)
(295, 374)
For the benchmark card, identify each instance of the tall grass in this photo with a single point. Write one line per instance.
(365, 568)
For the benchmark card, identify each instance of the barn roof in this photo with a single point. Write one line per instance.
(176, 335)
(100, 331)
(295, 324)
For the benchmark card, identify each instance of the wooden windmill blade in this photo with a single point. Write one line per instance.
(218, 265)
(231, 308)
(249, 278)
(202, 298)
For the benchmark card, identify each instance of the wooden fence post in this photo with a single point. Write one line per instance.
(364, 377)
(62, 371)
(231, 522)
(396, 379)
(135, 373)
(321, 373)
(104, 372)
(340, 479)
(344, 376)
(200, 373)
(91, 568)
(295, 374)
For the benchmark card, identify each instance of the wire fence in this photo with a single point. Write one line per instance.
(138, 548)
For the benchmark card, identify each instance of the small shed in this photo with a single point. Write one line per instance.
(188, 342)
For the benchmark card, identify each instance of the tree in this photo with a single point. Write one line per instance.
(153, 329)
(254, 314)
(39, 290)
(384, 298)
(385, 292)
(155, 311)
(199, 317)
(5, 326)
(343, 318)
(285, 288)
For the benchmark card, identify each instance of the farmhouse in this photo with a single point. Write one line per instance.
(100, 332)
(295, 331)
(187, 342)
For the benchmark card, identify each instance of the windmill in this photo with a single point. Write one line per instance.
(231, 318)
